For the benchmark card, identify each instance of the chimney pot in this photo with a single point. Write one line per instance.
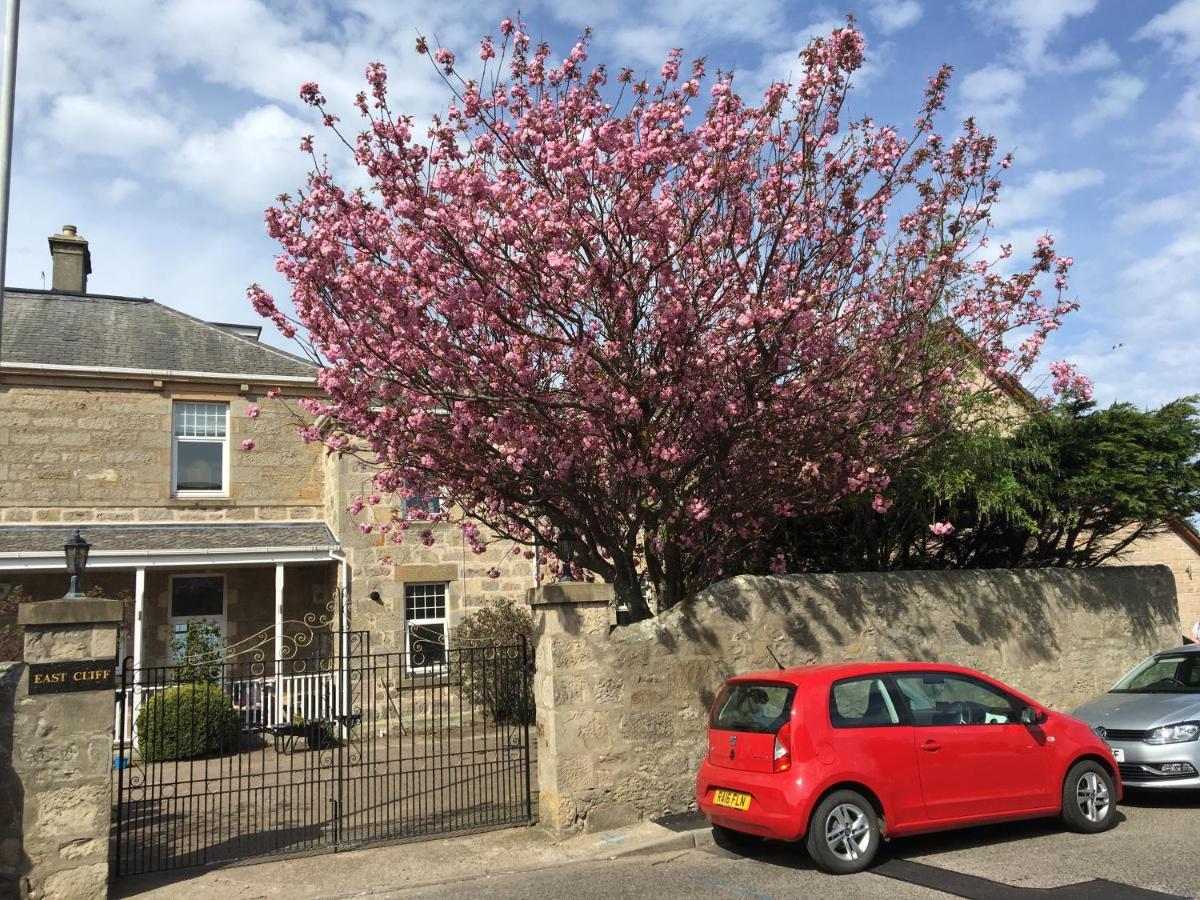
(72, 261)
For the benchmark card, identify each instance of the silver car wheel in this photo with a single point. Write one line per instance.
(847, 832)
(1092, 796)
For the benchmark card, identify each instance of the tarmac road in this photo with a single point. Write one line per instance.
(1154, 852)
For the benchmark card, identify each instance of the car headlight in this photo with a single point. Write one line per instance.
(1174, 734)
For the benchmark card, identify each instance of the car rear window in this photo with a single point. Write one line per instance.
(746, 706)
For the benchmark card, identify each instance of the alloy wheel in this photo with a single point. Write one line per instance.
(847, 832)
(1092, 795)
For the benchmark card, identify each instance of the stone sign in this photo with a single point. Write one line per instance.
(71, 676)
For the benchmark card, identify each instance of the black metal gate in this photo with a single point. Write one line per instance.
(221, 761)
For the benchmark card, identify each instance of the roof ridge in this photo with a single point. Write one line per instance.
(73, 295)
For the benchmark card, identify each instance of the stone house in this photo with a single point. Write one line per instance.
(125, 418)
(1176, 544)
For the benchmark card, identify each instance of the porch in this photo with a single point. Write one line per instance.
(272, 596)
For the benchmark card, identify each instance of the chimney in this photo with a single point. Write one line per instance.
(72, 261)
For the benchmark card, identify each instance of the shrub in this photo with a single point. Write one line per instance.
(197, 653)
(185, 721)
(488, 645)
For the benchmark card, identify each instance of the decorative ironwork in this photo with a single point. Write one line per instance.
(352, 747)
(300, 637)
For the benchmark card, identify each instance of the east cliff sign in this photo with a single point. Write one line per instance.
(76, 675)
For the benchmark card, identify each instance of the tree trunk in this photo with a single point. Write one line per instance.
(628, 589)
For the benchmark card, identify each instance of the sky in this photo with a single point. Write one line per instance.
(163, 128)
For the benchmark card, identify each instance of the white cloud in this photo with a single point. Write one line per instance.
(119, 189)
(1036, 22)
(646, 45)
(1153, 310)
(1184, 124)
(1041, 196)
(1170, 209)
(89, 125)
(894, 15)
(1115, 98)
(1177, 29)
(784, 64)
(1090, 58)
(993, 93)
(243, 167)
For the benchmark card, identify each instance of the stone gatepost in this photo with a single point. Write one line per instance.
(578, 708)
(63, 746)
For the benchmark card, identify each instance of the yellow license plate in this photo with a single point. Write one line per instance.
(732, 799)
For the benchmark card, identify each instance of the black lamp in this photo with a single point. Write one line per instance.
(566, 548)
(76, 550)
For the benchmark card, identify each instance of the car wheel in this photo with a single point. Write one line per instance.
(728, 837)
(1089, 798)
(843, 835)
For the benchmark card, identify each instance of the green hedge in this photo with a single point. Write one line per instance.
(186, 721)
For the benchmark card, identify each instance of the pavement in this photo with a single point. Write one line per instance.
(1154, 852)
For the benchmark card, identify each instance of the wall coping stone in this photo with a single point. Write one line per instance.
(572, 593)
(71, 611)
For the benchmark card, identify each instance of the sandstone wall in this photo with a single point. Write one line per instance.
(62, 755)
(103, 454)
(12, 795)
(382, 566)
(1179, 550)
(622, 715)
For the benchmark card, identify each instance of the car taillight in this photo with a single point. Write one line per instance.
(781, 759)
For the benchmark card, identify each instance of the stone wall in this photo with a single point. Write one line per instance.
(379, 565)
(103, 454)
(622, 711)
(12, 796)
(1177, 547)
(62, 754)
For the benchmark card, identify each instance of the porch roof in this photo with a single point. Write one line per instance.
(168, 544)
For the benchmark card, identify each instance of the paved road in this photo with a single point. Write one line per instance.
(1154, 852)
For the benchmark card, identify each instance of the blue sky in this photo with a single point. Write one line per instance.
(163, 128)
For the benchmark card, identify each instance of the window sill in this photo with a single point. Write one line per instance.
(202, 499)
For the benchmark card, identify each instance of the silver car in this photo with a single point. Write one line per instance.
(1151, 719)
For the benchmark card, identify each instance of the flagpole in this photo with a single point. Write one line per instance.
(8, 92)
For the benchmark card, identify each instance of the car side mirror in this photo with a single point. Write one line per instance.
(1031, 716)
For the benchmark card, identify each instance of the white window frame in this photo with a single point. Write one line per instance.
(430, 497)
(443, 620)
(223, 441)
(174, 620)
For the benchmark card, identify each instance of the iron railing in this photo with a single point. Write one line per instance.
(224, 763)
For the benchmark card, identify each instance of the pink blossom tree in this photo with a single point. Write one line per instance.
(650, 314)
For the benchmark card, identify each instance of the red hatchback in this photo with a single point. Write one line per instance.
(847, 755)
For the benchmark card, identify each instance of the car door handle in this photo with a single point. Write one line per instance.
(931, 746)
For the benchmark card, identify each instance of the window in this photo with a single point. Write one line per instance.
(759, 708)
(425, 625)
(1175, 674)
(422, 504)
(937, 699)
(197, 598)
(862, 703)
(200, 449)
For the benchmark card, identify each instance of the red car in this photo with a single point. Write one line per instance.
(847, 755)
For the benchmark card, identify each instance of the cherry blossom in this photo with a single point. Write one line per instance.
(654, 315)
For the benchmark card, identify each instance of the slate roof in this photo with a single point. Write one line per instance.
(167, 536)
(96, 330)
